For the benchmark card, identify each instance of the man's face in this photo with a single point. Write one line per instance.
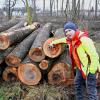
(69, 33)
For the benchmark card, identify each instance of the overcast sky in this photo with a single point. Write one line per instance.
(40, 3)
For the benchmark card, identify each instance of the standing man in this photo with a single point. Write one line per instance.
(84, 57)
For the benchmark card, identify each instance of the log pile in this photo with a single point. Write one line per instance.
(29, 59)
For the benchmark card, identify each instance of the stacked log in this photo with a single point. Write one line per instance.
(28, 72)
(10, 74)
(21, 50)
(36, 52)
(9, 38)
(4, 53)
(61, 71)
(7, 25)
(26, 51)
(22, 23)
(57, 50)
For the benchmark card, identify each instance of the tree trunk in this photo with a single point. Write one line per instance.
(62, 7)
(4, 53)
(19, 53)
(29, 15)
(7, 25)
(28, 72)
(8, 38)
(74, 11)
(61, 72)
(51, 6)
(43, 7)
(96, 8)
(57, 7)
(10, 74)
(36, 52)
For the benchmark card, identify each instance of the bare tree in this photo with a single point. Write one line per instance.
(66, 9)
(96, 8)
(62, 8)
(43, 6)
(82, 9)
(9, 6)
(51, 7)
(78, 9)
(57, 6)
(28, 10)
(34, 14)
(74, 10)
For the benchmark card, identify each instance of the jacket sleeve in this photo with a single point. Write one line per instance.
(58, 41)
(90, 49)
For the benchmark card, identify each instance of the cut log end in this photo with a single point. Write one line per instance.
(4, 42)
(10, 74)
(12, 61)
(36, 54)
(54, 52)
(59, 74)
(29, 74)
(44, 64)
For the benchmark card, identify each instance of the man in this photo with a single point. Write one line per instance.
(83, 55)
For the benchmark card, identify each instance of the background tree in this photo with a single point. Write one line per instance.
(9, 7)
(28, 10)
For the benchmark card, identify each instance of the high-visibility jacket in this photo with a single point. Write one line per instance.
(86, 52)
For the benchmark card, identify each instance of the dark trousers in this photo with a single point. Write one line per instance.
(90, 85)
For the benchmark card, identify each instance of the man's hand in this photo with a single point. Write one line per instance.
(98, 69)
(97, 72)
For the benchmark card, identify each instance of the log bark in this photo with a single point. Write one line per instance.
(59, 33)
(8, 38)
(20, 52)
(61, 72)
(28, 72)
(7, 25)
(22, 23)
(10, 74)
(36, 52)
(4, 53)
(54, 52)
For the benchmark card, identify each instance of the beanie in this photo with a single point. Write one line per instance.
(70, 25)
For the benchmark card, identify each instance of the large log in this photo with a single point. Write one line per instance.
(22, 23)
(19, 53)
(59, 33)
(8, 38)
(46, 64)
(36, 52)
(54, 52)
(28, 72)
(7, 25)
(10, 74)
(4, 53)
(57, 50)
(61, 72)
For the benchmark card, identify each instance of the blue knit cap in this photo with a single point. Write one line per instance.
(70, 25)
